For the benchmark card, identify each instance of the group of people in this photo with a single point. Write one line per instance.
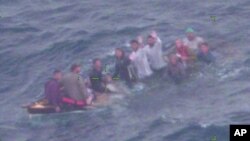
(72, 91)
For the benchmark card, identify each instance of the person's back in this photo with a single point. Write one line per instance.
(72, 88)
(52, 89)
(154, 53)
(73, 85)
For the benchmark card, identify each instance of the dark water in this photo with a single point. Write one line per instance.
(37, 36)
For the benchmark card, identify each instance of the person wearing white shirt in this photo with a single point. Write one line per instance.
(154, 53)
(192, 41)
(140, 60)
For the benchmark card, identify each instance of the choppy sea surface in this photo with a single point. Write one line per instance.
(37, 36)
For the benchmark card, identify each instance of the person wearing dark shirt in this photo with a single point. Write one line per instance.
(53, 89)
(121, 67)
(96, 77)
(205, 54)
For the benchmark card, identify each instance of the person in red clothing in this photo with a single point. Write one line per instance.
(182, 51)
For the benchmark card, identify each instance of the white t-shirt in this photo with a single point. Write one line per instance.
(140, 61)
(155, 55)
(194, 44)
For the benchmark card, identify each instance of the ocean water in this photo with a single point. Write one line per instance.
(37, 36)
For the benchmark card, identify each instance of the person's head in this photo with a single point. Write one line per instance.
(57, 75)
(134, 45)
(119, 53)
(75, 68)
(97, 64)
(204, 47)
(151, 40)
(190, 34)
(173, 59)
(178, 43)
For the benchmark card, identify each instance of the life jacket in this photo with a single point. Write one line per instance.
(70, 101)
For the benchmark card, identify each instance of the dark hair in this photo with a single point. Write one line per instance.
(74, 66)
(134, 41)
(56, 71)
(150, 36)
(121, 50)
(95, 60)
(205, 44)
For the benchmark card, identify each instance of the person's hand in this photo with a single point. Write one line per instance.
(154, 34)
(140, 39)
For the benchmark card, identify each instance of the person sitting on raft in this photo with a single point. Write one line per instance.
(176, 69)
(192, 41)
(53, 90)
(122, 64)
(74, 90)
(154, 52)
(205, 54)
(96, 77)
(139, 60)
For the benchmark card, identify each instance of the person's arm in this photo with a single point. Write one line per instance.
(82, 86)
(140, 39)
(158, 43)
(127, 61)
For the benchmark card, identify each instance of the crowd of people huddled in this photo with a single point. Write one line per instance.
(70, 90)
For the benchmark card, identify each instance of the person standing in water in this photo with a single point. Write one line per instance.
(192, 41)
(176, 70)
(74, 90)
(205, 54)
(122, 67)
(53, 90)
(96, 77)
(140, 60)
(154, 52)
